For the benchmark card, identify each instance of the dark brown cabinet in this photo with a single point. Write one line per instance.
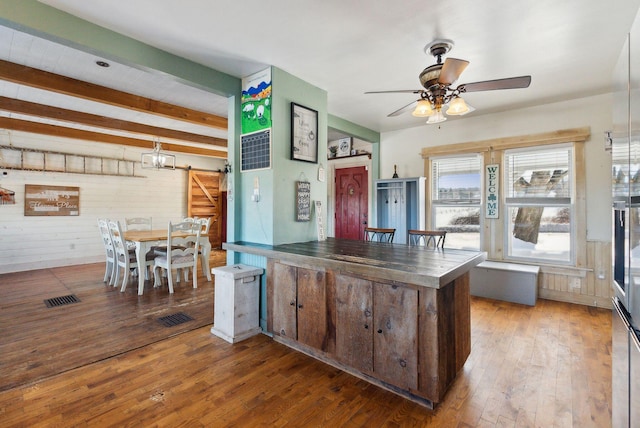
(376, 329)
(299, 304)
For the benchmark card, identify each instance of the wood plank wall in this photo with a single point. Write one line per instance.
(588, 286)
(35, 242)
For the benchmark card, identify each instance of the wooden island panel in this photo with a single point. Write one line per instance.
(354, 322)
(410, 337)
(395, 344)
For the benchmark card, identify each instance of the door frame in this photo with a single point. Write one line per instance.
(331, 188)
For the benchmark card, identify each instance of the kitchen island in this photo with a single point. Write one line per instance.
(394, 315)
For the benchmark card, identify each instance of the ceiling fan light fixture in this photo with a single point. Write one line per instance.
(437, 117)
(423, 109)
(457, 107)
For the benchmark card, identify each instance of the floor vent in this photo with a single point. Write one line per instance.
(174, 319)
(60, 301)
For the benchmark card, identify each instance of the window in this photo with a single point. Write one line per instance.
(539, 203)
(455, 199)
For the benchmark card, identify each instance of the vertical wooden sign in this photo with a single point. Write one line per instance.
(322, 235)
(303, 201)
(492, 208)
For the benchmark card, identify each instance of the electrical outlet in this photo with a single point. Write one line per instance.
(575, 283)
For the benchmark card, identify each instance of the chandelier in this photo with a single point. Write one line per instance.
(158, 159)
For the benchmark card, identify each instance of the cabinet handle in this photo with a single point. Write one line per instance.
(300, 306)
(403, 363)
(366, 326)
(379, 330)
(367, 313)
(292, 303)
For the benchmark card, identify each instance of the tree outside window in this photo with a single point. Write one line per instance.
(539, 203)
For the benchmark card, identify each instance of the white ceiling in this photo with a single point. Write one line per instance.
(569, 48)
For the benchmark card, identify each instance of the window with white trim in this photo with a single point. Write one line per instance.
(455, 199)
(539, 203)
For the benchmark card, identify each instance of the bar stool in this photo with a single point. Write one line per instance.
(376, 234)
(426, 238)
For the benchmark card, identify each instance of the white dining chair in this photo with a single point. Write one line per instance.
(183, 254)
(138, 223)
(205, 245)
(109, 251)
(125, 260)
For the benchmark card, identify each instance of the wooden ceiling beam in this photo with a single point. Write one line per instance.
(72, 116)
(79, 134)
(40, 79)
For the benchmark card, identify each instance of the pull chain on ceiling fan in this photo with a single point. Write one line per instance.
(437, 80)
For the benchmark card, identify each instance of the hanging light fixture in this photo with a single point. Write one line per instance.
(437, 117)
(423, 109)
(457, 107)
(157, 159)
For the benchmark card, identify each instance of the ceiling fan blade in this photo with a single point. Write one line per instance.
(402, 109)
(400, 91)
(491, 85)
(451, 70)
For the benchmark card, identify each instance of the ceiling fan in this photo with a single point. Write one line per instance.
(438, 93)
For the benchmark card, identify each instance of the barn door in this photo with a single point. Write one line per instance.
(204, 200)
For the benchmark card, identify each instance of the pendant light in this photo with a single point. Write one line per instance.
(158, 159)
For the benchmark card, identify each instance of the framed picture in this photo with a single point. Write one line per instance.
(304, 133)
(344, 147)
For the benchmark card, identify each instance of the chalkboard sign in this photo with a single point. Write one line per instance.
(51, 200)
(303, 201)
(255, 150)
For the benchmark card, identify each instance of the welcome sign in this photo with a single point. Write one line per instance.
(492, 172)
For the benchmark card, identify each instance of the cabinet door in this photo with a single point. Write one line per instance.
(395, 344)
(354, 322)
(284, 300)
(312, 308)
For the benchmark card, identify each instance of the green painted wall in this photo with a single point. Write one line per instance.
(287, 89)
(353, 129)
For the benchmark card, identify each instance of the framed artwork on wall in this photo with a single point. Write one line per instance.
(304, 133)
(344, 147)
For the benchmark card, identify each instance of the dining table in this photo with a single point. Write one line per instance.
(145, 239)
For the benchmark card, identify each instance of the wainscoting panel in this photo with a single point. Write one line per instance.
(590, 285)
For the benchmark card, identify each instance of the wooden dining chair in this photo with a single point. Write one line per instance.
(183, 255)
(427, 238)
(376, 234)
(125, 259)
(103, 227)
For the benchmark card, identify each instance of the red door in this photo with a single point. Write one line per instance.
(351, 202)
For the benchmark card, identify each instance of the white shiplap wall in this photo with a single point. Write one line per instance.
(28, 243)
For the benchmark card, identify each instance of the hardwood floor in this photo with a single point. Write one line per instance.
(38, 342)
(542, 366)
